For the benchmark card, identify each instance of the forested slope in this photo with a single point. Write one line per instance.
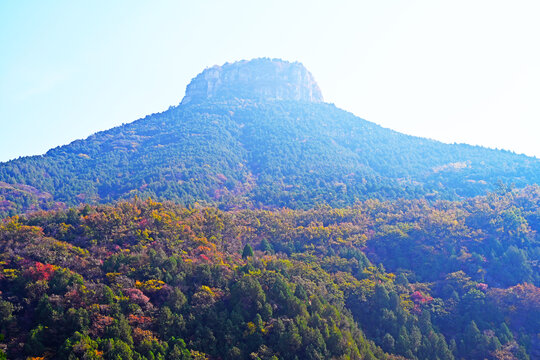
(382, 279)
(271, 154)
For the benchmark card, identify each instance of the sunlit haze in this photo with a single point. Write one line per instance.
(459, 71)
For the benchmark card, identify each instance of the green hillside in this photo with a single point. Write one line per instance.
(245, 153)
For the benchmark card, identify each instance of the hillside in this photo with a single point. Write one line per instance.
(256, 134)
(380, 280)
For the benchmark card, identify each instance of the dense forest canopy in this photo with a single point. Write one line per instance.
(256, 154)
(382, 279)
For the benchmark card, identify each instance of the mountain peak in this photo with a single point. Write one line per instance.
(257, 79)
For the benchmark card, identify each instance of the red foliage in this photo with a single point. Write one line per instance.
(139, 335)
(204, 257)
(40, 271)
(137, 296)
(419, 298)
(522, 298)
(73, 297)
(139, 320)
(100, 323)
(143, 223)
(482, 286)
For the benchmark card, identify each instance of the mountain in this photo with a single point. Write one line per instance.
(256, 134)
(384, 254)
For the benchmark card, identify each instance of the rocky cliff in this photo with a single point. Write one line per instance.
(258, 79)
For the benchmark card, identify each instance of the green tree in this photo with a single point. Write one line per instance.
(266, 246)
(247, 252)
(121, 330)
(34, 344)
(116, 349)
(6, 313)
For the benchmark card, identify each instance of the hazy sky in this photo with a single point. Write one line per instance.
(455, 71)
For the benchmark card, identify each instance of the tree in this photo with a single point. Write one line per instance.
(34, 344)
(76, 319)
(178, 350)
(300, 292)
(2, 353)
(248, 251)
(6, 312)
(388, 343)
(116, 349)
(472, 338)
(266, 246)
(121, 330)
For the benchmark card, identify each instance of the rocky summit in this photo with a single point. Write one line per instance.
(258, 79)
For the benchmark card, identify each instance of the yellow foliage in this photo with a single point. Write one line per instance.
(197, 355)
(10, 273)
(207, 289)
(150, 285)
(251, 328)
(255, 272)
(144, 235)
(406, 302)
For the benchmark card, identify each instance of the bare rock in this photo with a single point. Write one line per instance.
(259, 79)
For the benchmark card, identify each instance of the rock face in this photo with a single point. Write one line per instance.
(258, 79)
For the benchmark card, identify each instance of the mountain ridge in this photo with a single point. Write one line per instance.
(251, 152)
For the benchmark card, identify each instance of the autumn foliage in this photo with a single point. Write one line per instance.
(389, 280)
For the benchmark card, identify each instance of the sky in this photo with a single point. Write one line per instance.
(454, 71)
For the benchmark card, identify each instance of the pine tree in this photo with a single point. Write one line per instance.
(248, 251)
(266, 246)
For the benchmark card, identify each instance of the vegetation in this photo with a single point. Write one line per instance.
(378, 280)
(242, 153)
(278, 230)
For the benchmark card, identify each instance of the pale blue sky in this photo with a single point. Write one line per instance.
(455, 71)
